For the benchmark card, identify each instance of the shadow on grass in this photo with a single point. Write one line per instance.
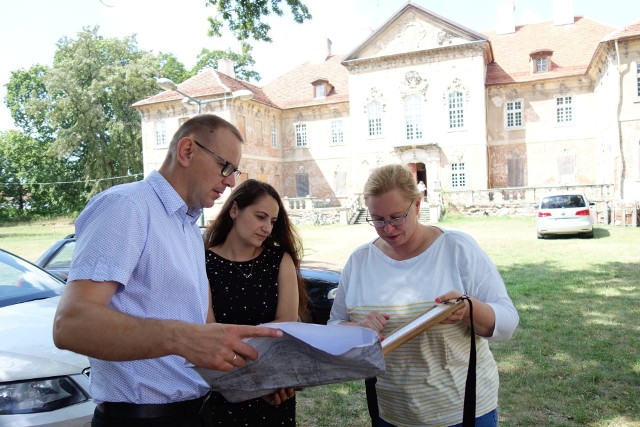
(574, 359)
(598, 233)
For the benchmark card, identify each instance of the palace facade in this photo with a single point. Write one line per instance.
(507, 114)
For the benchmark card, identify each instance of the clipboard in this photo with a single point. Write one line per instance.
(418, 325)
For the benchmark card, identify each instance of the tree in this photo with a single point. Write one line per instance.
(242, 62)
(35, 182)
(244, 17)
(94, 81)
(27, 99)
(171, 68)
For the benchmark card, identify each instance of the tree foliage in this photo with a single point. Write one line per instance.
(27, 100)
(171, 68)
(34, 182)
(95, 82)
(76, 117)
(242, 62)
(245, 17)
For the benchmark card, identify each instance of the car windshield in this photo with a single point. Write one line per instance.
(21, 281)
(563, 202)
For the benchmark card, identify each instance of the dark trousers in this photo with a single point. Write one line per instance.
(192, 413)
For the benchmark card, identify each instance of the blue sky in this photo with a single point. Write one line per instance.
(29, 30)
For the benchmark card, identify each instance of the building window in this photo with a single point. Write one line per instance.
(161, 133)
(514, 114)
(413, 117)
(515, 172)
(241, 124)
(258, 128)
(638, 78)
(321, 88)
(638, 161)
(374, 111)
(302, 184)
(337, 133)
(564, 110)
(541, 65)
(566, 168)
(274, 136)
(458, 175)
(301, 135)
(340, 182)
(456, 110)
(540, 60)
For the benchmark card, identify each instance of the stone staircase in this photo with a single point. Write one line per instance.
(360, 217)
(425, 216)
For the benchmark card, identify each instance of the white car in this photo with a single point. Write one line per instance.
(40, 385)
(564, 214)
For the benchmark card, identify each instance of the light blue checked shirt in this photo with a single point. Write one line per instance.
(143, 236)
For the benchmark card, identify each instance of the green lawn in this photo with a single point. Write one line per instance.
(573, 361)
(575, 358)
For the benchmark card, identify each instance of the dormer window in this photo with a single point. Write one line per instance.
(541, 65)
(321, 88)
(540, 60)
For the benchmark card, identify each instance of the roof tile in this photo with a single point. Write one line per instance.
(207, 84)
(294, 89)
(572, 45)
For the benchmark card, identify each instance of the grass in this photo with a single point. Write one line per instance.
(30, 240)
(575, 357)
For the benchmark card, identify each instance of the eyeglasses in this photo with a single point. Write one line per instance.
(228, 168)
(379, 223)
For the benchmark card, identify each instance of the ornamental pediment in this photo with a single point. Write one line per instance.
(414, 29)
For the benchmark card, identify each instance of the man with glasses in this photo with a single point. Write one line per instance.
(137, 300)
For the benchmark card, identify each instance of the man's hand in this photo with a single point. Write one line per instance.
(219, 346)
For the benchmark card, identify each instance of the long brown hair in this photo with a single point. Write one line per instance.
(283, 233)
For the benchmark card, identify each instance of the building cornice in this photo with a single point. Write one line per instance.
(428, 56)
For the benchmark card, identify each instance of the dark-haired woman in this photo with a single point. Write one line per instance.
(253, 259)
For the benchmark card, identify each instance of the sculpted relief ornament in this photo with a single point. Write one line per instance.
(414, 84)
(412, 33)
(377, 96)
(455, 86)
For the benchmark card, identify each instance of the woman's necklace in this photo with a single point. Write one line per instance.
(246, 276)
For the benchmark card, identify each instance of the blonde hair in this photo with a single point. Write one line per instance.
(391, 177)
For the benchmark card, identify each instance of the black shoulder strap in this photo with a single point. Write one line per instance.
(469, 413)
(372, 400)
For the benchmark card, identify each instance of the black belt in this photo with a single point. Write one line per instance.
(134, 410)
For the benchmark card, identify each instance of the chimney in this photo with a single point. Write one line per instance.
(225, 66)
(505, 17)
(563, 12)
(322, 51)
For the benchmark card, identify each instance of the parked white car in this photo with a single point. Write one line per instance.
(40, 385)
(564, 214)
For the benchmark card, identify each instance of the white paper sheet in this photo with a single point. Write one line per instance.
(333, 339)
